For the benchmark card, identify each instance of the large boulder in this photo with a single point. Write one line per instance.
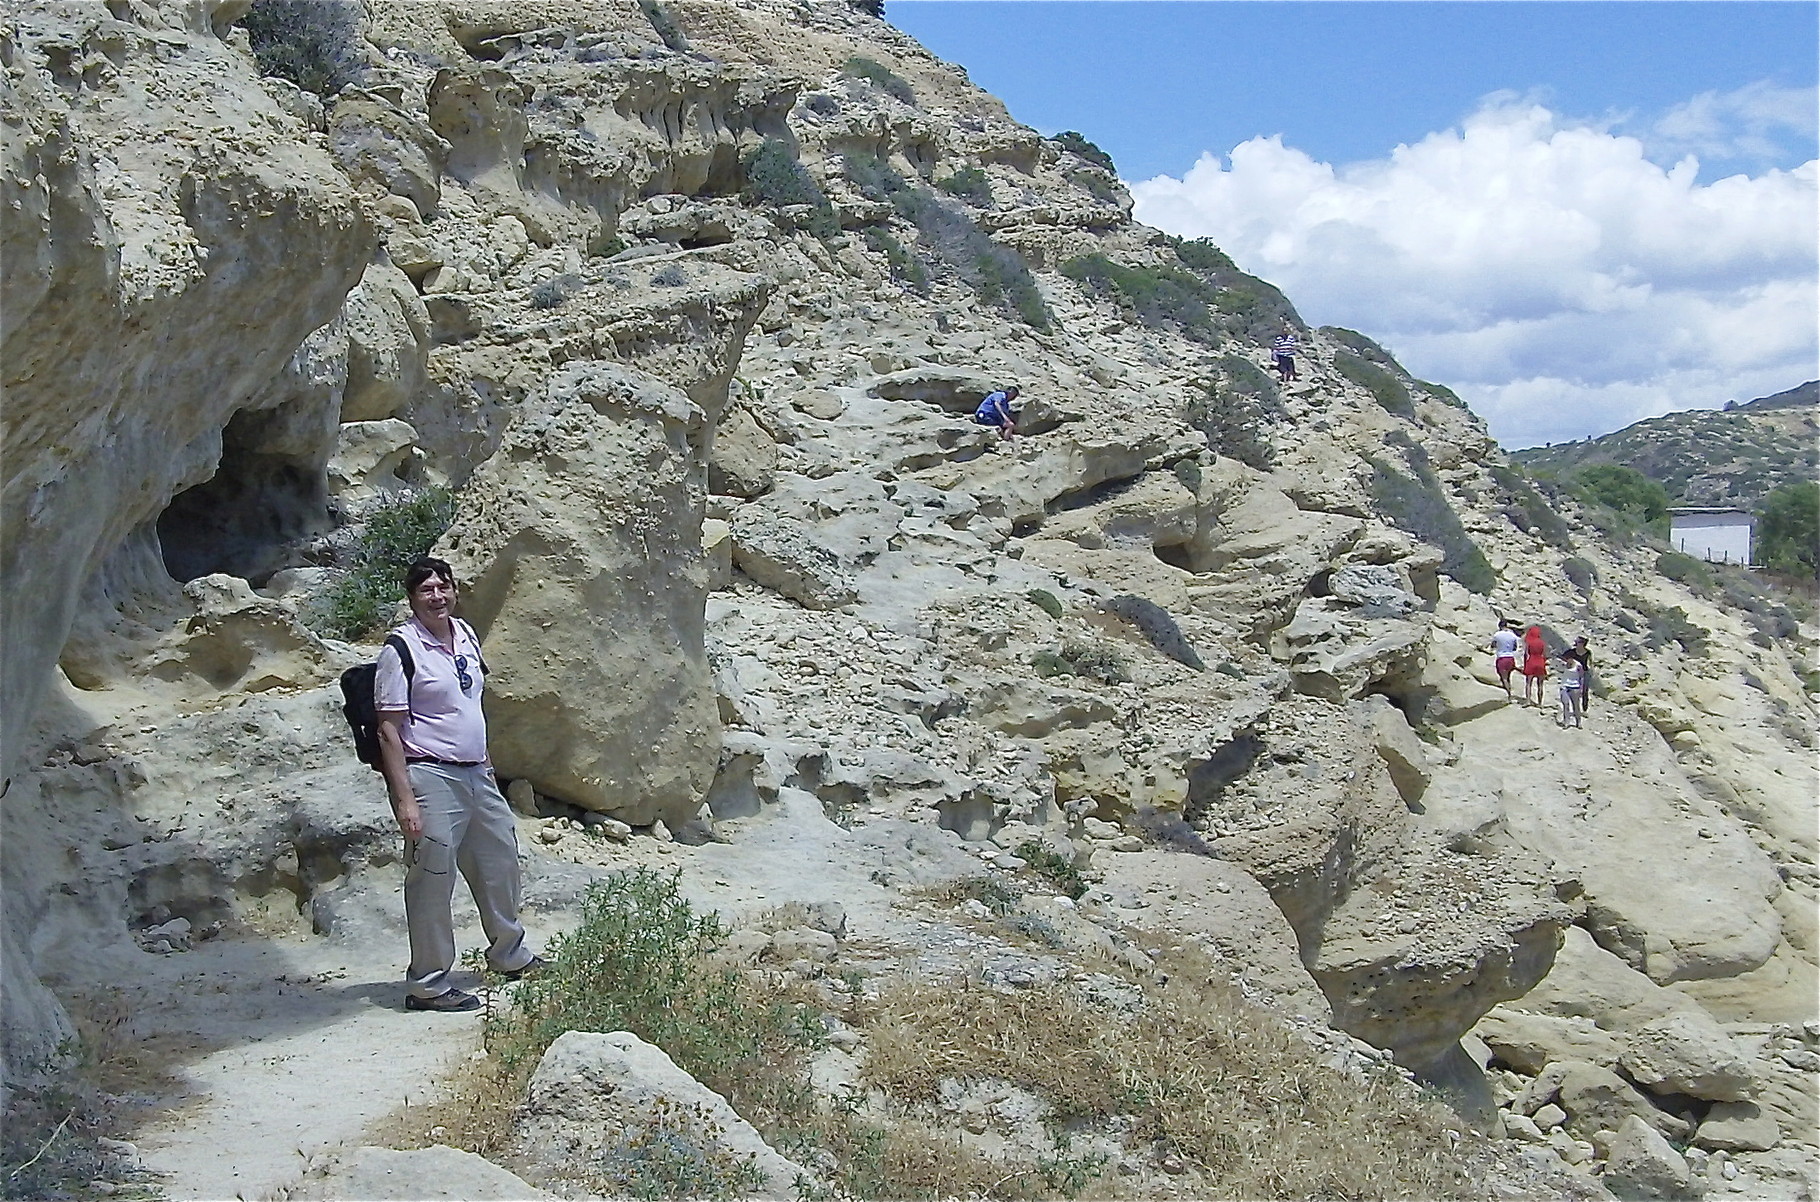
(1686, 1052)
(594, 1096)
(1644, 1167)
(579, 545)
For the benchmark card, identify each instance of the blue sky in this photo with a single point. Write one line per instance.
(1625, 189)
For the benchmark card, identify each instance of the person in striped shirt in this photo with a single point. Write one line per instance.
(1283, 348)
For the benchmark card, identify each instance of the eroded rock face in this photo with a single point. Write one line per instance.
(140, 236)
(580, 548)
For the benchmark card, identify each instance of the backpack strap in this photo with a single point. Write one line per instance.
(396, 642)
(478, 654)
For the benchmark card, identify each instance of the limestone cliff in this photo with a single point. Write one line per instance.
(690, 305)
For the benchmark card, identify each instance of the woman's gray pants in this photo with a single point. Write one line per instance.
(466, 825)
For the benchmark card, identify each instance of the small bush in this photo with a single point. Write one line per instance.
(1236, 423)
(873, 8)
(969, 183)
(551, 293)
(1527, 510)
(393, 537)
(313, 43)
(1684, 569)
(774, 178)
(1157, 296)
(1057, 870)
(1046, 601)
(1158, 626)
(664, 25)
(1075, 143)
(1003, 280)
(1665, 626)
(1231, 669)
(1391, 394)
(1580, 573)
(1050, 664)
(1099, 661)
(1106, 191)
(904, 267)
(670, 275)
(1419, 506)
(879, 75)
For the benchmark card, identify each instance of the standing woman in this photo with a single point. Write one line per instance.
(1535, 666)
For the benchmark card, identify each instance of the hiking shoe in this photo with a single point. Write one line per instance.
(452, 1000)
(531, 968)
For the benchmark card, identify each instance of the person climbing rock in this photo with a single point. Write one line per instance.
(996, 410)
(433, 754)
(1283, 350)
(1504, 644)
(1535, 667)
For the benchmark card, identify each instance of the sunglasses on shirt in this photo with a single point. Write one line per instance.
(461, 673)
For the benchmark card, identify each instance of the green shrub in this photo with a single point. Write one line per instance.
(1788, 530)
(1360, 345)
(1419, 506)
(553, 292)
(996, 274)
(1100, 661)
(1157, 296)
(1158, 626)
(1684, 569)
(1236, 412)
(904, 267)
(1075, 143)
(875, 8)
(670, 275)
(313, 43)
(1391, 394)
(393, 537)
(1057, 870)
(1625, 491)
(969, 183)
(879, 75)
(1528, 510)
(1106, 191)
(773, 177)
(1046, 601)
(664, 25)
(1580, 573)
(1049, 664)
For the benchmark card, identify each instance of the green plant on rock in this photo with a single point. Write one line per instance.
(1076, 143)
(773, 177)
(1046, 601)
(1418, 505)
(1391, 394)
(1235, 413)
(313, 43)
(1626, 492)
(1100, 661)
(969, 183)
(1684, 569)
(880, 76)
(1788, 530)
(1527, 509)
(393, 537)
(1057, 869)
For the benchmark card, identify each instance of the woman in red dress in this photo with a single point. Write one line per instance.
(1535, 665)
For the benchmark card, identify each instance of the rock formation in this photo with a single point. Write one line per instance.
(744, 565)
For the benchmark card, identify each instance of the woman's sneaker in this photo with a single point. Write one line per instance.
(453, 1000)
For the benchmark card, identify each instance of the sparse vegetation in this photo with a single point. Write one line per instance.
(774, 178)
(904, 267)
(554, 292)
(670, 275)
(1076, 143)
(1580, 573)
(313, 43)
(1391, 394)
(1046, 601)
(1527, 509)
(1235, 412)
(969, 183)
(1202, 296)
(1684, 569)
(1058, 870)
(392, 537)
(997, 274)
(1158, 626)
(880, 76)
(1098, 661)
(1419, 506)
(664, 25)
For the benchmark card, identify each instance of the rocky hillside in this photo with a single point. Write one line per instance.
(687, 304)
(1735, 456)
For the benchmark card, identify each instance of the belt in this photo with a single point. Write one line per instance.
(430, 759)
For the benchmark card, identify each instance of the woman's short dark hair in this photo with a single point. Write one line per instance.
(425, 568)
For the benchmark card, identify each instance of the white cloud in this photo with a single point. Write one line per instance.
(1754, 123)
(1552, 274)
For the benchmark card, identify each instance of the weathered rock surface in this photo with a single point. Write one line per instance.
(1642, 1165)
(582, 556)
(384, 1174)
(593, 1093)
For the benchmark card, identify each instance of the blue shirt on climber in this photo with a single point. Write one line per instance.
(996, 410)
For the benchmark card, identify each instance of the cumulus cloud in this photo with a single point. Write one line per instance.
(1754, 123)
(1549, 271)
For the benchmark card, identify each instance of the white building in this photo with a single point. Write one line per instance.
(1715, 535)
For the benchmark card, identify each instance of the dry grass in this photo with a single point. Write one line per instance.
(1195, 1071)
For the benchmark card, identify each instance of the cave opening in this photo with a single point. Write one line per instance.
(245, 518)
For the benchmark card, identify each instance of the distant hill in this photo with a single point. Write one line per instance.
(1706, 456)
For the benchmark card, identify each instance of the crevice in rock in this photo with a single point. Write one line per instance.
(1208, 778)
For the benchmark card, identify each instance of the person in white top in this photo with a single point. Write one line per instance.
(1504, 644)
(433, 754)
(1573, 707)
